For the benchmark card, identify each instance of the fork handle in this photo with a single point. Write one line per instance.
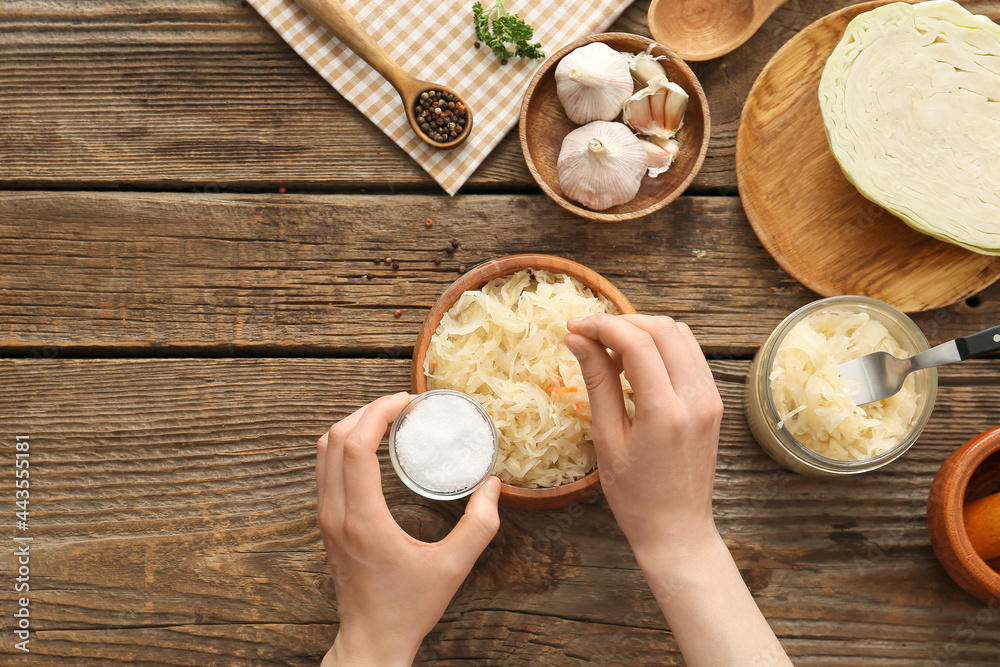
(978, 344)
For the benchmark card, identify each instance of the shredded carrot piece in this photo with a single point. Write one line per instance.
(576, 406)
(561, 390)
(491, 413)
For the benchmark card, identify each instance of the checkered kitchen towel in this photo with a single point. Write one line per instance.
(434, 42)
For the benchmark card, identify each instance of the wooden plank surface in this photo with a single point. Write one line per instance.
(138, 272)
(173, 517)
(190, 94)
(203, 95)
(173, 501)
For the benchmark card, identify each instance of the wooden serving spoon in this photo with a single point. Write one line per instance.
(706, 29)
(342, 25)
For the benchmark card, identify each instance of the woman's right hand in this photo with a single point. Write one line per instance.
(657, 468)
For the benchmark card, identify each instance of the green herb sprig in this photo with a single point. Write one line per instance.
(504, 29)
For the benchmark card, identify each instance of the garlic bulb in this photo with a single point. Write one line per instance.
(659, 158)
(657, 110)
(592, 82)
(601, 165)
(644, 66)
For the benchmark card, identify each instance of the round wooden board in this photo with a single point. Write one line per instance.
(814, 223)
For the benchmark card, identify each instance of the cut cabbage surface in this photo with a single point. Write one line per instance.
(815, 406)
(911, 105)
(503, 345)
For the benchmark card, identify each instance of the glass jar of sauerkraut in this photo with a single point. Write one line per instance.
(800, 411)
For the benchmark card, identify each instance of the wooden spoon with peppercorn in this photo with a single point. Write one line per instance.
(438, 115)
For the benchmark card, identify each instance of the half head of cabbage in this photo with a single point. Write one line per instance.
(911, 105)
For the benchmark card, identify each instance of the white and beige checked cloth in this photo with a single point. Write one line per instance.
(434, 42)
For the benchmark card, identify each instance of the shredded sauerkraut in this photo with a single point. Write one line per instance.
(503, 345)
(811, 400)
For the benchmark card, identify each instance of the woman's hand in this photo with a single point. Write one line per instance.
(658, 468)
(391, 588)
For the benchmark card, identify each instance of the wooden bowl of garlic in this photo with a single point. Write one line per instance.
(575, 140)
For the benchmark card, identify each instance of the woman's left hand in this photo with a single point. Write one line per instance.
(391, 588)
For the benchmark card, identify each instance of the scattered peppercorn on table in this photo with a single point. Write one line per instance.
(208, 257)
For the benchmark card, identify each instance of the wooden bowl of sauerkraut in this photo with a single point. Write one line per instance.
(496, 334)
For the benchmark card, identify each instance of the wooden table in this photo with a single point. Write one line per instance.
(175, 335)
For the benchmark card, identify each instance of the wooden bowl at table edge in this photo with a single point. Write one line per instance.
(585, 488)
(963, 477)
(543, 125)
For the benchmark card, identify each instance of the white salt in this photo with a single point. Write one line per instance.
(444, 444)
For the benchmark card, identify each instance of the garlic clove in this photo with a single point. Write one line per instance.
(592, 82)
(665, 143)
(659, 158)
(674, 108)
(601, 165)
(639, 114)
(656, 103)
(666, 103)
(645, 66)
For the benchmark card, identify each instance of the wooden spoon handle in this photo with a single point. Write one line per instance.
(341, 24)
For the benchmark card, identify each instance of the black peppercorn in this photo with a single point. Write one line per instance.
(395, 264)
(440, 115)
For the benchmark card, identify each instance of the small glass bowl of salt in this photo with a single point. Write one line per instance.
(443, 445)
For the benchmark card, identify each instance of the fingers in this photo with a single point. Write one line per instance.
(640, 357)
(617, 359)
(674, 344)
(330, 460)
(707, 379)
(604, 388)
(321, 446)
(361, 474)
(694, 350)
(476, 527)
